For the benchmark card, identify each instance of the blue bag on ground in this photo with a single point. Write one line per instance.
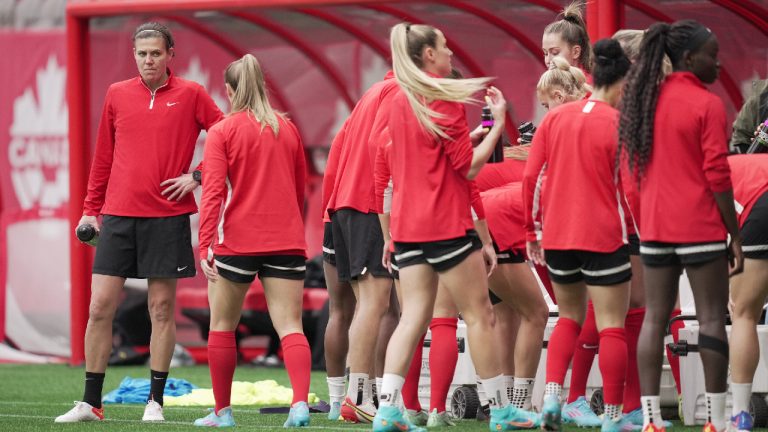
(136, 390)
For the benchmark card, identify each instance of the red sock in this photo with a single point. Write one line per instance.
(560, 349)
(674, 360)
(613, 366)
(298, 364)
(443, 355)
(632, 326)
(410, 390)
(222, 360)
(584, 355)
(544, 277)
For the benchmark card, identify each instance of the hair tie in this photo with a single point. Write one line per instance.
(696, 39)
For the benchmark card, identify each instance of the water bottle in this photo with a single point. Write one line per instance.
(526, 130)
(487, 122)
(87, 234)
(760, 143)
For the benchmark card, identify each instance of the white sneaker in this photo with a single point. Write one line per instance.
(82, 412)
(153, 412)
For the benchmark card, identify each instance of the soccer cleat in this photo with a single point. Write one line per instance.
(390, 419)
(335, 412)
(552, 413)
(82, 412)
(417, 418)
(153, 412)
(636, 418)
(298, 416)
(579, 413)
(439, 419)
(709, 427)
(621, 424)
(357, 413)
(512, 418)
(653, 428)
(222, 419)
(741, 422)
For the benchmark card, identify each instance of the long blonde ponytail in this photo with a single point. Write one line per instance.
(246, 79)
(408, 42)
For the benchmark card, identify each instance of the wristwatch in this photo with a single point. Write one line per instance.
(197, 176)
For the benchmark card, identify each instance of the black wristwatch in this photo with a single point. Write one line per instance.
(197, 176)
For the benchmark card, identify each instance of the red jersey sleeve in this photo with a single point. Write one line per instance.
(331, 167)
(102, 160)
(631, 197)
(214, 192)
(207, 114)
(381, 174)
(301, 168)
(477, 201)
(714, 145)
(532, 180)
(458, 146)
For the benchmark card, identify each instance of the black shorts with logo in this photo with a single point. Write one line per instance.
(660, 254)
(754, 232)
(358, 244)
(594, 268)
(441, 255)
(329, 252)
(244, 268)
(634, 244)
(510, 256)
(134, 247)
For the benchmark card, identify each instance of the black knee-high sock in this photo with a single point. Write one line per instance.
(94, 382)
(157, 386)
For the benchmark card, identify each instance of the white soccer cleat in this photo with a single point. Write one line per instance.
(153, 412)
(82, 412)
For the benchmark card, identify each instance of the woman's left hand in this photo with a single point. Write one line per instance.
(491, 260)
(209, 271)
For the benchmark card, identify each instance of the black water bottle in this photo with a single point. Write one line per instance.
(526, 130)
(760, 142)
(487, 122)
(87, 234)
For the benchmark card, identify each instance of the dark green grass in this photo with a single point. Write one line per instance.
(32, 395)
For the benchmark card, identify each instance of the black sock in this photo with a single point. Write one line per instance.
(94, 382)
(157, 386)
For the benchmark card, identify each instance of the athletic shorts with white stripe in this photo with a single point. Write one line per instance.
(244, 268)
(660, 254)
(594, 268)
(329, 252)
(754, 232)
(441, 255)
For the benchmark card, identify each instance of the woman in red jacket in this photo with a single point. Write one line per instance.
(251, 224)
(576, 146)
(673, 133)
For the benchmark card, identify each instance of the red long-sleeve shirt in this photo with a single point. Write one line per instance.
(577, 144)
(505, 214)
(253, 190)
(431, 197)
(749, 174)
(331, 168)
(495, 175)
(353, 186)
(688, 164)
(145, 138)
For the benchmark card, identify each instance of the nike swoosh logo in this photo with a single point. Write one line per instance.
(178, 269)
(170, 104)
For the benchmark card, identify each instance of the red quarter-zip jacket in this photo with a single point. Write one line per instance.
(145, 138)
(505, 214)
(749, 174)
(253, 195)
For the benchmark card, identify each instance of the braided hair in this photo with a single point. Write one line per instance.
(638, 107)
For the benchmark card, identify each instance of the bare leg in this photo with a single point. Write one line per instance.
(162, 308)
(342, 308)
(748, 292)
(105, 295)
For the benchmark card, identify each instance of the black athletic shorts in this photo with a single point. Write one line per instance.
(660, 254)
(754, 232)
(395, 268)
(509, 256)
(441, 255)
(134, 247)
(358, 243)
(244, 268)
(634, 244)
(594, 268)
(329, 252)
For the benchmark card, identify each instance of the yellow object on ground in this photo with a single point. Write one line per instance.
(266, 392)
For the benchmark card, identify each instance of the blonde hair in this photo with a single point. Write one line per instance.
(573, 30)
(246, 79)
(631, 40)
(408, 42)
(570, 79)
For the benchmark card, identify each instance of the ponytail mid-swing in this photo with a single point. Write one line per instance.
(246, 79)
(408, 42)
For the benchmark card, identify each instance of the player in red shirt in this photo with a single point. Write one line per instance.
(144, 145)
(576, 146)
(749, 175)
(251, 224)
(673, 134)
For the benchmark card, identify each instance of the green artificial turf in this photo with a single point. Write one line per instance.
(32, 395)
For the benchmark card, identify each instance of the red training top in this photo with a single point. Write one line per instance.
(495, 175)
(505, 215)
(145, 138)
(253, 197)
(749, 174)
(331, 168)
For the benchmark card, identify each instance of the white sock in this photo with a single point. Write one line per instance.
(356, 387)
(651, 411)
(369, 389)
(741, 394)
(379, 381)
(716, 409)
(509, 385)
(336, 389)
(521, 396)
(481, 395)
(554, 389)
(495, 391)
(391, 390)
(612, 412)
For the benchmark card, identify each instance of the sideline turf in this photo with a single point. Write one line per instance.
(32, 395)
